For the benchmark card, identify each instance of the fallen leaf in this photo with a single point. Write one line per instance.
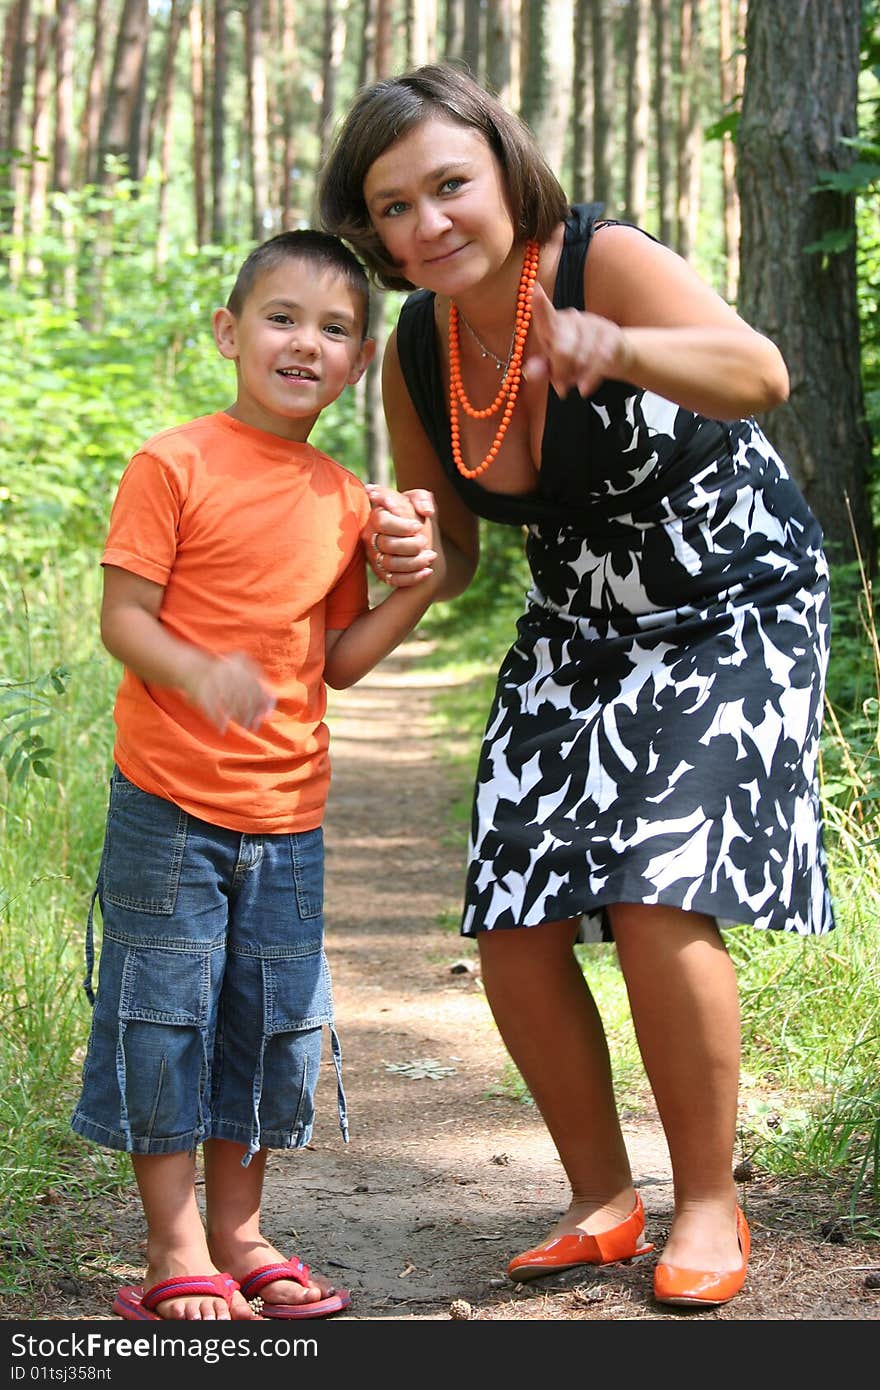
(422, 1068)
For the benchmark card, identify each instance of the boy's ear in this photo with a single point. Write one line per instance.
(363, 360)
(225, 333)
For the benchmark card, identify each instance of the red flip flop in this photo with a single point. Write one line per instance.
(136, 1305)
(296, 1270)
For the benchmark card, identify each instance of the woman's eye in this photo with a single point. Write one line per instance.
(394, 209)
(451, 185)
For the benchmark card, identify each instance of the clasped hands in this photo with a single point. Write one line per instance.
(400, 535)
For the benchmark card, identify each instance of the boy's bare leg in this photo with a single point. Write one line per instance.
(176, 1243)
(232, 1201)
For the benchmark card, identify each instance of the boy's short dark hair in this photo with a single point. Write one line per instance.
(319, 249)
(388, 109)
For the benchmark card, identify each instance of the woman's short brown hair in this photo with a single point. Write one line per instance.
(385, 111)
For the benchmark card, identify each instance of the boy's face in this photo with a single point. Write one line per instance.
(296, 344)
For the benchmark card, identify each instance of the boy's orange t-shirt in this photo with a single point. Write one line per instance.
(257, 542)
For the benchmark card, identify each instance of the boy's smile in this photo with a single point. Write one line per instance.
(297, 343)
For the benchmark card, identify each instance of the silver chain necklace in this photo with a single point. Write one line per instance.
(487, 352)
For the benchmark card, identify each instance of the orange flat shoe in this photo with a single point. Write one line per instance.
(622, 1242)
(688, 1288)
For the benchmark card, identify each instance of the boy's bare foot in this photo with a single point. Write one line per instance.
(242, 1257)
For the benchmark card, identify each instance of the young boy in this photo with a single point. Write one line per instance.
(234, 588)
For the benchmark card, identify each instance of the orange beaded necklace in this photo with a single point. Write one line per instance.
(511, 380)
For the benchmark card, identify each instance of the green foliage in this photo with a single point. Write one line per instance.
(24, 706)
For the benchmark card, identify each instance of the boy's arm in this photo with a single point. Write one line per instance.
(224, 688)
(354, 651)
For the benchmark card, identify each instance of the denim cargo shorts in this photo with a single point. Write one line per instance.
(213, 986)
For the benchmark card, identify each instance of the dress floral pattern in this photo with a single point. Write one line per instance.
(655, 729)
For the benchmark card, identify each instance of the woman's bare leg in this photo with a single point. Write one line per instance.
(232, 1199)
(176, 1243)
(552, 1030)
(684, 1002)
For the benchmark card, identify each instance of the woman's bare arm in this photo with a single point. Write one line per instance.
(651, 320)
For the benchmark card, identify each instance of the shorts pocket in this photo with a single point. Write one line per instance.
(307, 857)
(298, 992)
(143, 849)
(162, 986)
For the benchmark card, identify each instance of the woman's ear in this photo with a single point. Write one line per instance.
(225, 333)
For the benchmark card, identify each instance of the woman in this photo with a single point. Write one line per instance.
(648, 766)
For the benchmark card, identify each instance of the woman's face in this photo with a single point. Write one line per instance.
(438, 200)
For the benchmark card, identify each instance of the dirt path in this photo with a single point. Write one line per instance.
(444, 1179)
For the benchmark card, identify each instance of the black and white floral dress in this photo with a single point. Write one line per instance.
(655, 728)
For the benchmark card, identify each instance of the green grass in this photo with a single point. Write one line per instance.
(50, 841)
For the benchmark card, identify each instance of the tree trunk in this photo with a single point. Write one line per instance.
(161, 127)
(218, 125)
(472, 51)
(663, 122)
(690, 141)
(502, 52)
(90, 119)
(377, 449)
(367, 64)
(162, 104)
(637, 101)
(10, 37)
(454, 30)
(40, 137)
(123, 93)
(258, 118)
(12, 137)
(287, 113)
(728, 159)
(799, 109)
(421, 32)
(384, 38)
(583, 109)
(16, 138)
(532, 60)
(558, 63)
(197, 82)
(137, 135)
(603, 96)
(334, 44)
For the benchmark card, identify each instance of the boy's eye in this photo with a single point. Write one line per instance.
(280, 318)
(337, 329)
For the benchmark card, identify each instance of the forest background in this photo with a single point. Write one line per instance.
(145, 147)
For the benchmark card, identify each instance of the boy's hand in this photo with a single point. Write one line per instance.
(401, 544)
(229, 689)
